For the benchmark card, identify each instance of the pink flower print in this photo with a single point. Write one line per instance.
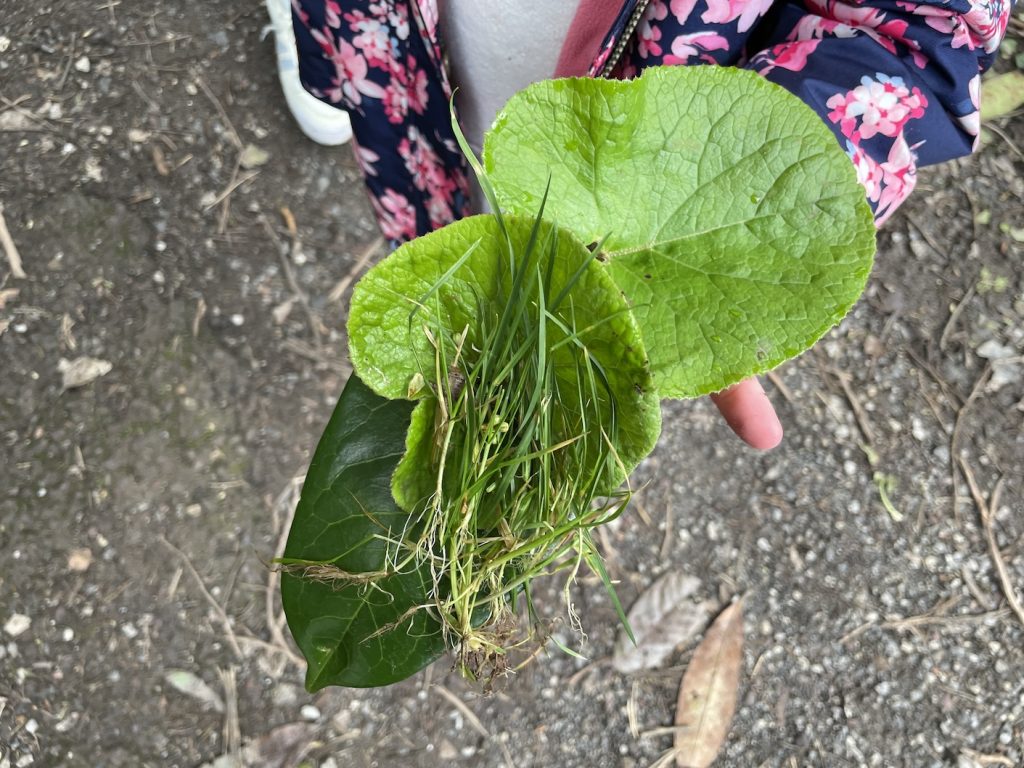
(953, 26)
(791, 56)
(602, 57)
(374, 41)
(365, 158)
(422, 162)
(407, 90)
(685, 47)
(428, 14)
(682, 9)
(987, 20)
(396, 215)
(724, 11)
(398, 18)
(883, 105)
(379, 10)
(648, 36)
(899, 176)
(812, 27)
(869, 173)
(439, 211)
(870, 21)
(332, 13)
(350, 81)
(303, 16)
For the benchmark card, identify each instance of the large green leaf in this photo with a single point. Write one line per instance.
(389, 351)
(735, 223)
(345, 512)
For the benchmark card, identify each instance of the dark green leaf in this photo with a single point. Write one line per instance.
(345, 514)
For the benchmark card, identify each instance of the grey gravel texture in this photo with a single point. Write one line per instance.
(872, 639)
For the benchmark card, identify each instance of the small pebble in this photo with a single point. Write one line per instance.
(17, 624)
(79, 560)
(310, 713)
(83, 64)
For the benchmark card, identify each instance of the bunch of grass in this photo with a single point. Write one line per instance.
(524, 431)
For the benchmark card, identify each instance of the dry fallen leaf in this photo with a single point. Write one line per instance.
(191, 685)
(1001, 94)
(707, 697)
(159, 161)
(253, 157)
(82, 370)
(662, 618)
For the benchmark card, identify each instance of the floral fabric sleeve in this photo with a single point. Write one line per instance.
(379, 60)
(896, 81)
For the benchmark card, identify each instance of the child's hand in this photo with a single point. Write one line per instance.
(749, 412)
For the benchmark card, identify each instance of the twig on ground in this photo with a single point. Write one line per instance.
(972, 586)
(232, 733)
(67, 67)
(474, 722)
(225, 205)
(954, 316)
(364, 258)
(235, 184)
(954, 437)
(982, 759)
(1002, 135)
(217, 608)
(232, 133)
(197, 318)
(859, 414)
(779, 384)
(632, 708)
(932, 618)
(303, 349)
(954, 399)
(932, 405)
(666, 541)
(928, 238)
(986, 511)
(467, 713)
(10, 250)
(289, 276)
(286, 502)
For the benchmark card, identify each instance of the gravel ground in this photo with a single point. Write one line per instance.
(137, 512)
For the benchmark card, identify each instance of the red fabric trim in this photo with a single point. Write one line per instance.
(589, 28)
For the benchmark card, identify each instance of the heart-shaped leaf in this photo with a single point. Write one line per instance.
(735, 223)
(357, 621)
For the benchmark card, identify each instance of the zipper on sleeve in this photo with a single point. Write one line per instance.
(624, 38)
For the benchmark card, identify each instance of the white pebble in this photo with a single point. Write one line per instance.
(309, 712)
(83, 64)
(237, 320)
(68, 634)
(17, 624)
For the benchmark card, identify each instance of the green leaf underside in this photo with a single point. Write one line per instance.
(346, 503)
(735, 223)
(412, 481)
(387, 351)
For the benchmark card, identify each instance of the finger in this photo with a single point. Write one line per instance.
(748, 411)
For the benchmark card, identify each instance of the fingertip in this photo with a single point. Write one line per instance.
(749, 412)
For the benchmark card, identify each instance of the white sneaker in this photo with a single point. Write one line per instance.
(321, 122)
